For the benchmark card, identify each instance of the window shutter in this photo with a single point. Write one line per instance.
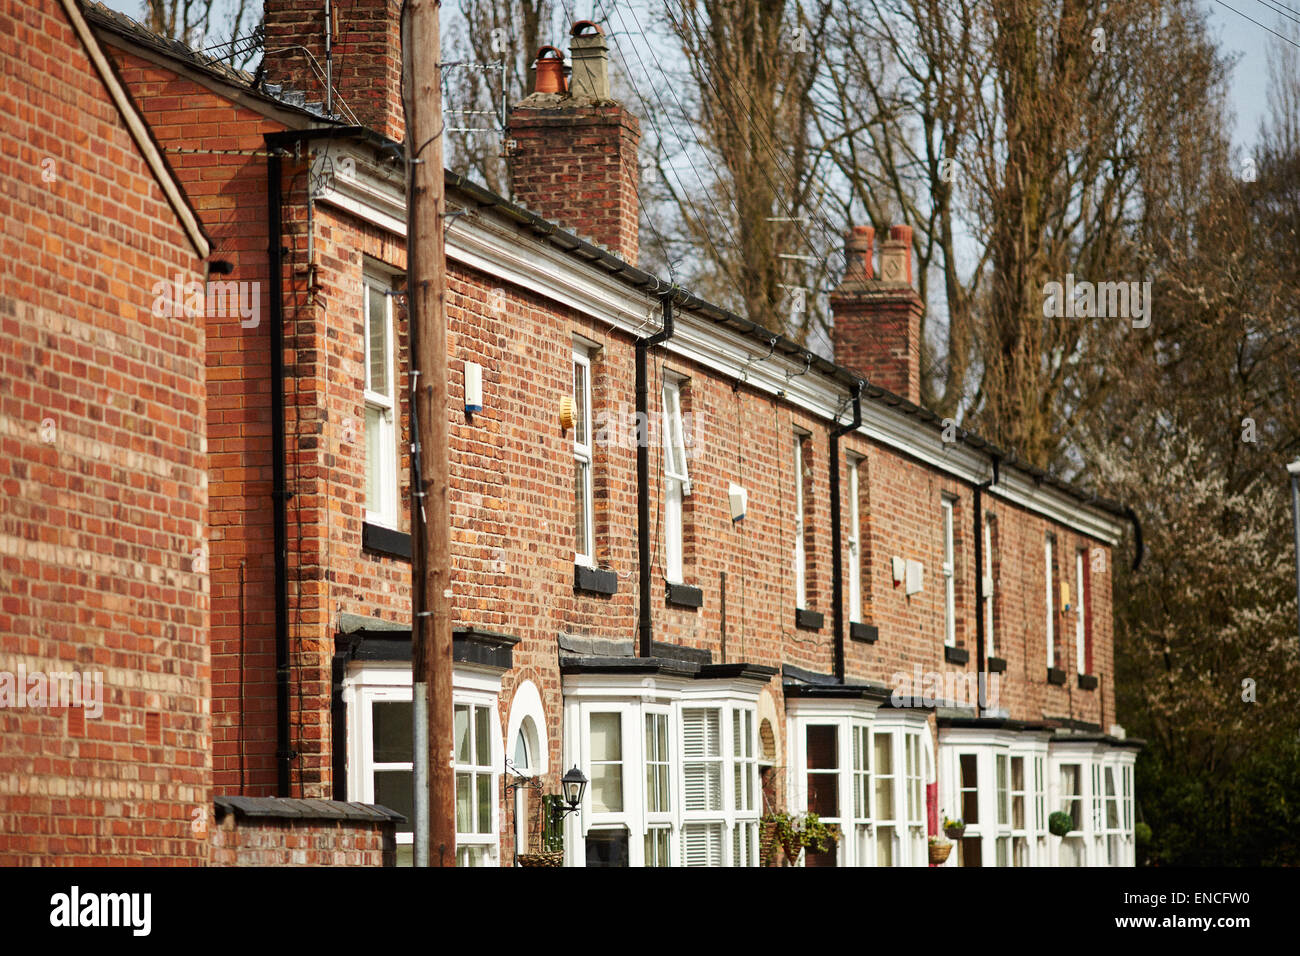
(702, 844)
(701, 753)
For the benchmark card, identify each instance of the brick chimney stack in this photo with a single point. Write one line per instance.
(366, 61)
(574, 159)
(877, 322)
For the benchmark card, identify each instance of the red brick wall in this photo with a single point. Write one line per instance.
(367, 50)
(229, 191)
(238, 842)
(577, 166)
(104, 506)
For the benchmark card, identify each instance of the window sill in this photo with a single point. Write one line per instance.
(997, 665)
(1056, 675)
(594, 580)
(956, 655)
(866, 633)
(1087, 682)
(381, 540)
(683, 595)
(808, 620)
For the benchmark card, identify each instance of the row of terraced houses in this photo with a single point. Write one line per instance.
(812, 595)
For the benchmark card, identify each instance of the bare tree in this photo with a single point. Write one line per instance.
(751, 233)
(196, 22)
(1023, 140)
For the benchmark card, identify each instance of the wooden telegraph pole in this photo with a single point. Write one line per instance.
(435, 784)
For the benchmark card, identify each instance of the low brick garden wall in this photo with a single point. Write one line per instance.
(270, 831)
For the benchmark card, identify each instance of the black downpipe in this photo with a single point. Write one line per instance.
(837, 545)
(279, 493)
(643, 346)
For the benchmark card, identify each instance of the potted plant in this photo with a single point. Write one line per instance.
(939, 849)
(1059, 823)
(793, 833)
(953, 828)
(547, 838)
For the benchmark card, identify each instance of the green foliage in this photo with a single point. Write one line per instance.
(794, 832)
(552, 824)
(1246, 815)
(1060, 823)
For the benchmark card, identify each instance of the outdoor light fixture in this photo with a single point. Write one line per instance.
(574, 785)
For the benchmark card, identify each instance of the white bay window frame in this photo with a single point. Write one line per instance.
(391, 681)
(708, 832)
(910, 753)
(1001, 841)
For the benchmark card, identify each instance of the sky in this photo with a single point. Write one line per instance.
(1228, 20)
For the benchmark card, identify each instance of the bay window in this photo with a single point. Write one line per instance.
(861, 835)
(476, 799)
(1002, 762)
(658, 790)
(380, 755)
(885, 817)
(744, 788)
(822, 761)
(1072, 849)
(673, 780)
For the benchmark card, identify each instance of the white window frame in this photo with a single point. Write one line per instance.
(949, 574)
(1080, 612)
(584, 551)
(990, 586)
(487, 841)
(1048, 546)
(677, 480)
(662, 819)
(670, 697)
(855, 542)
(384, 404)
(800, 556)
(392, 682)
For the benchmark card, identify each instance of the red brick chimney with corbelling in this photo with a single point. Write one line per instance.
(877, 322)
(574, 154)
(365, 57)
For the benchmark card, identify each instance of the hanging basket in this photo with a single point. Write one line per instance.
(939, 852)
(954, 833)
(541, 859)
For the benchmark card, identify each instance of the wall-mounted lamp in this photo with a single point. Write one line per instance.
(574, 785)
